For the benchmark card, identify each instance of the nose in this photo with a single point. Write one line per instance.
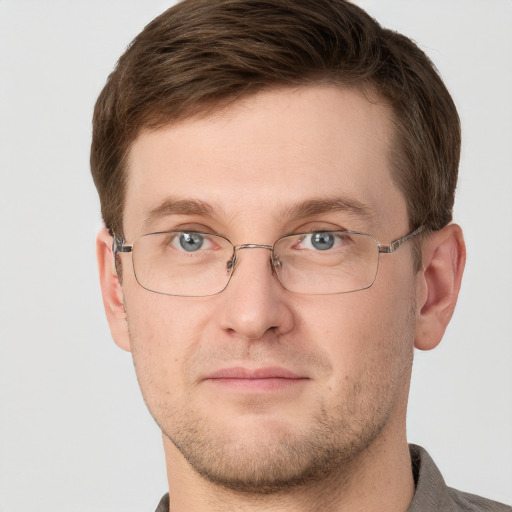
(254, 301)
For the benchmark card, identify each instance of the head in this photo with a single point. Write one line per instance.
(200, 55)
(254, 120)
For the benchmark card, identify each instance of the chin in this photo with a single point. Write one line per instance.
(270, 457)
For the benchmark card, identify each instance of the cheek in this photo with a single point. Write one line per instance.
(164, 333)
(368, 336)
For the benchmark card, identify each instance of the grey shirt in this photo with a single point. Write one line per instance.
(432, 494)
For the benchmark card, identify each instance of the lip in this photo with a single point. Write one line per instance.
(254, 373)
(255, 379)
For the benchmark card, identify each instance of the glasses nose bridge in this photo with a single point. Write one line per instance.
(253, 246)
(233, 263)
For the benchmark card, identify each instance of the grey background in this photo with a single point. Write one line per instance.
(74, 432)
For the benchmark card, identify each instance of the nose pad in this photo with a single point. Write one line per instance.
(276, 263)
(230, 265)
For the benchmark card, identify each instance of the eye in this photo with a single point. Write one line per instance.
(191, 242)
(322, 240)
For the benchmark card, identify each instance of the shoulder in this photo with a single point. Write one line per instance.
(432, 494)
(470, 502)
(163, 506)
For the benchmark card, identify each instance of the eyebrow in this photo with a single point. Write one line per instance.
(300, 210)
(175, 206)
(312, 207)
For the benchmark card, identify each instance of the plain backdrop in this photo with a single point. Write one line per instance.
(74, 432)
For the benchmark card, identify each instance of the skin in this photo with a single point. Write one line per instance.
(332, 435)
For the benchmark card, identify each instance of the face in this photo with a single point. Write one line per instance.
(258, 387)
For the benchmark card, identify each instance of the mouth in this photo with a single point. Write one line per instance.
(255, 380)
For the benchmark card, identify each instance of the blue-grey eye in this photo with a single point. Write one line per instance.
(322, 241)
(191, 241)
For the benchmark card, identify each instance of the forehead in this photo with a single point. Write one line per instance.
(264, 156)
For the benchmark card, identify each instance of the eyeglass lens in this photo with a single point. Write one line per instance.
(200, 264)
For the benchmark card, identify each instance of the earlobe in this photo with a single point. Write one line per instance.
(444, 257)
(111, 290)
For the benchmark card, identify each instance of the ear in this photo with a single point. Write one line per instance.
(444, 257)
(111, 290)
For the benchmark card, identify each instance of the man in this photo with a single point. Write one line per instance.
(277, 180)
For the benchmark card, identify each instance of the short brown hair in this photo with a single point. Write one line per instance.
(201, 54)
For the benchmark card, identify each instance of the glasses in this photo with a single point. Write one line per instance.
(193, 264)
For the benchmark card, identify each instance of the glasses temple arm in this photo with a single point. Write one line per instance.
(393, 246)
